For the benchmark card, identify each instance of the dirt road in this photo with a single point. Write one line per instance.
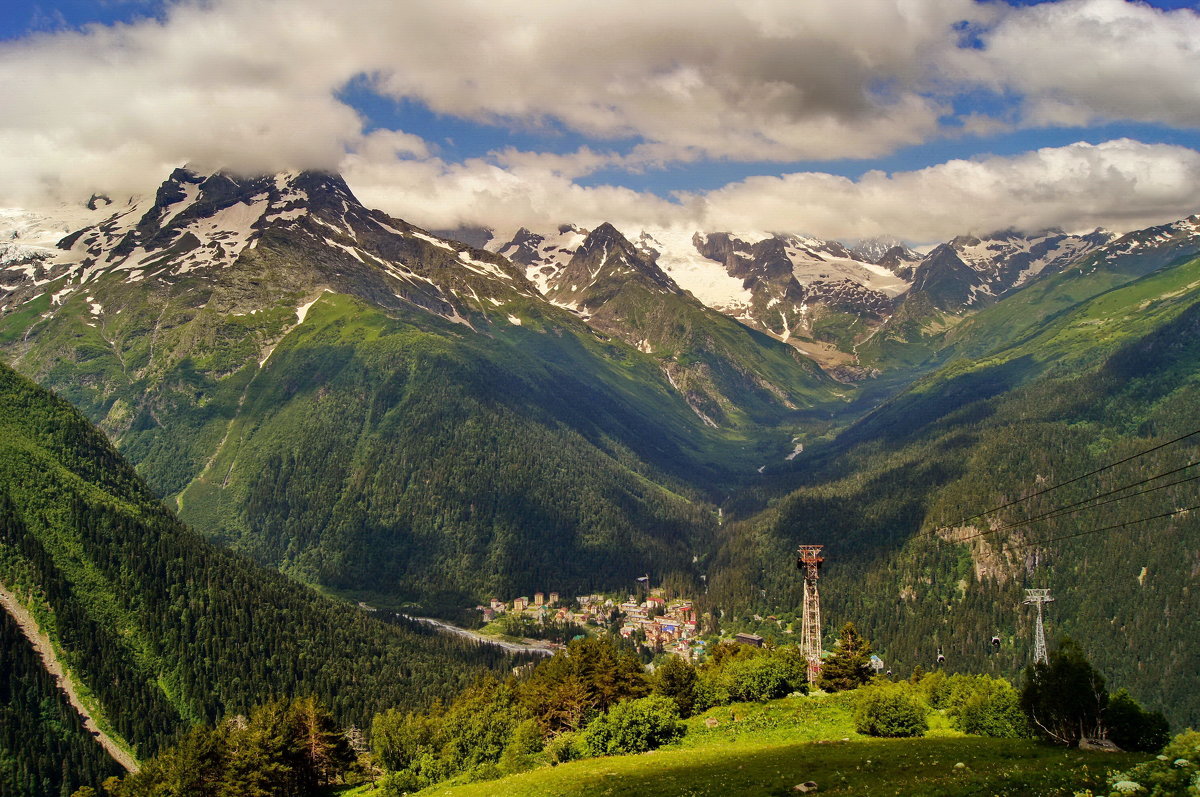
(41, 644)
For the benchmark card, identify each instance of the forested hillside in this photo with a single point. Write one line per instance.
(162, 628)
(391, 415)
(44, 749)
(897, 501)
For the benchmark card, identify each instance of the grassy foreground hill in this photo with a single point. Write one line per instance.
(767, 749)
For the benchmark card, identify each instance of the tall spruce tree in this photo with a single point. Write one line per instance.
(850, 664)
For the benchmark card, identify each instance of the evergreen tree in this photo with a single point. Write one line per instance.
(850, 664)
(676, 679)
(589, 676)
(283, 748)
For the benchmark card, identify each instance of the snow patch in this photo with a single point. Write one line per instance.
(430, 239)
(481, 267)
(191, 191)
(353, 252)
(302, 310)
(512, 319)
(705, 279)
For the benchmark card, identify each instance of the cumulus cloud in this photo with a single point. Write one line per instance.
(254, 85)
(529, 190)
(761, 80)
(1078, 61)
(1119, 184)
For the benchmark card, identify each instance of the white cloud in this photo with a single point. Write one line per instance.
(1121, 185)
(529, 191)
(254, 85)
(1079, 61)
(763, 80)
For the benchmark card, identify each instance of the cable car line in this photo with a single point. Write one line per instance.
(1053, 487)
(1070, 509)
(1109, 528)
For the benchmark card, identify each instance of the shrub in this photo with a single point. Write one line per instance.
(634, 727)
(712, 689)
(891, 710)
(1131, 728)
(990, 707)
(763, 678)
(526, 740)
(1176, 771)
(564, 747)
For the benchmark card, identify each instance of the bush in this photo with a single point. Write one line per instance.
(890, 710)
(1131, 728)
(396, 784)
(986, 706)
(634, 727)
(564, 747)
(518, 755)
(712, 689)
(1175, 772)
(763, 678)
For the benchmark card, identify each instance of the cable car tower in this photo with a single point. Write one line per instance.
(809, 563)
(1038, 597)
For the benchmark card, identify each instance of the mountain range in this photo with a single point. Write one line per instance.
(422, 420)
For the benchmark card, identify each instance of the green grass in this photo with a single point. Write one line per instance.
(766, 749)
(858, 767)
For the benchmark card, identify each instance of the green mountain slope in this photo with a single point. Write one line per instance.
(388, 414)
(161, 628)
(44, 749)
(924, 334)
(1101, 380)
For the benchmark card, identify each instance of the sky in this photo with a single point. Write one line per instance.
(847, 119)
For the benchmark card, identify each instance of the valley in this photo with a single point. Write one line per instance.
(511, 398)
(404, 421)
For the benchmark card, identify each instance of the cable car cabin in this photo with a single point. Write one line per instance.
(996, 642)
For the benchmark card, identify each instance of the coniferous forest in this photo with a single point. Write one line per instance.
(164, 628)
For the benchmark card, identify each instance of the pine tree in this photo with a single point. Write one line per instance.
(850, 664)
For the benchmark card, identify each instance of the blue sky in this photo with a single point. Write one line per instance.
(463, 112)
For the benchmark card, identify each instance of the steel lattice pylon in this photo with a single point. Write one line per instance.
(1039, 597)
(809, 562)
